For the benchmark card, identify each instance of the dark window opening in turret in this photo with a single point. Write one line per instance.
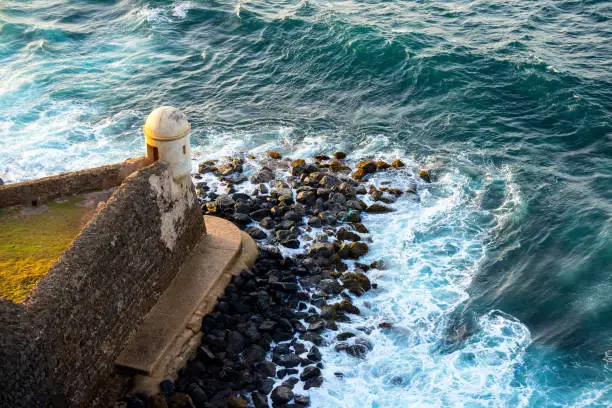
(184, 149)
(153, 151)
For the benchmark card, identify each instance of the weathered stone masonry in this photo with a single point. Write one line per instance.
(59, 347)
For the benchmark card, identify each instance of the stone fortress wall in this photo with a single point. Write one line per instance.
(148, 241)
(60, 345)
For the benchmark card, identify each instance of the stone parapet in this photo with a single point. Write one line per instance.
(61, 185)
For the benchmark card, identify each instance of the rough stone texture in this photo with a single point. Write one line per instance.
(59, 346)
(84, 181)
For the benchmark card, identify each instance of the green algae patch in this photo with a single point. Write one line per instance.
(32, 240)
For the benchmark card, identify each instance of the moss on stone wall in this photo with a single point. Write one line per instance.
(32, 239)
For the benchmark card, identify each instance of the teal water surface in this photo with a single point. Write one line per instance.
(499, 280)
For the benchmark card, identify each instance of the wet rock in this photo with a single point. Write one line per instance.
(378, 209)
(321, 250)
(242, 207)
(301, 400)
(207, 167)
(299, 348)
(330, 286)
(361, 228)
(290, 382)
(274, 155)
(357, 205)
(298, 167)
(425, 175)
(157, 401)
(344, 336)
(262, 176)
(267, 223)
(317, 326)
(180, 400)
(167, 388)
(328, 218)
(237, 402)
(385, 325)
(287, 371)
(359, 174)
(197, 394)
(397, 163)
(259, 400)
(379, 264)
(336, 166)
(346, 306)
(241, 219)
(256, 233)
(357, 350)
(315, 222)
(368, 166)
(356, 249)
(375, 193)
(340, 155)
(286, 360)
(382, 165)
(235, 342)
(225, 202)
(290, 242)
(286, 286)
(313, 383)
(356, 283)
(266, 385)
(314, 338)
(321, 157)
(291, 216)
(281, 395)
(254, 354)
(259, 214)
(310, 372)
(345, 235)
(267, 368)
(306, 197)
(267, 325)
(330, 181)
(314, 354)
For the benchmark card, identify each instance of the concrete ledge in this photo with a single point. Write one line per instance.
(66, 184)
(170, 333)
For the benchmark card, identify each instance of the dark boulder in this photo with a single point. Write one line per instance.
(314, 354)
(310, 372)
(256, 233)
(235, 342)
(267, 223)
(262, 176)
(286, 360)
(237, 402)
(356, 283)
(345, 235)
(321, 250)
(378, 209)
(281, 395)
(368, 166)
(259, 400)
(313, 382)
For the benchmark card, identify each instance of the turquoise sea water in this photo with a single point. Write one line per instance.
(499, 281)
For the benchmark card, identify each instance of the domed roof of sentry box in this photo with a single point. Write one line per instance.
(166, 123)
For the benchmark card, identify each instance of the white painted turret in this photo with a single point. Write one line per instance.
(167, 136)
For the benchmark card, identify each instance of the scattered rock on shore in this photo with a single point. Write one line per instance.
(288, 299)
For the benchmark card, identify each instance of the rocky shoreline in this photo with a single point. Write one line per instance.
(260, 345)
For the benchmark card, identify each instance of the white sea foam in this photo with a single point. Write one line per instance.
(432, 250)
